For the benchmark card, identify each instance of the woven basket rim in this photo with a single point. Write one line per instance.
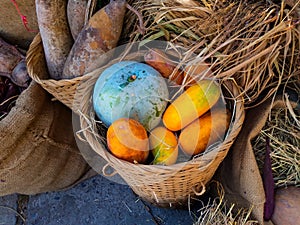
(36, 42)
(63, 90)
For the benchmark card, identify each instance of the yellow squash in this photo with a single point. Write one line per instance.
(163, 145)
(191, 104)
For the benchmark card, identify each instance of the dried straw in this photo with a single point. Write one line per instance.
(283, 129)
(255, 43)
(217, 212)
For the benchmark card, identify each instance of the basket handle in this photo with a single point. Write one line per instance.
(202, 190)
(105, 173)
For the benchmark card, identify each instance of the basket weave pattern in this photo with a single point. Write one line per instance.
(165, 186)
(63, 90)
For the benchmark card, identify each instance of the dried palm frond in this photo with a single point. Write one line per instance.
(255, 43)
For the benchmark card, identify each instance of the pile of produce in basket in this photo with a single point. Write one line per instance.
(131, 98)
(13, 76)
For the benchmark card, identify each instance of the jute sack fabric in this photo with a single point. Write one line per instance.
(12, 28)
(239, 173)
(38, 151)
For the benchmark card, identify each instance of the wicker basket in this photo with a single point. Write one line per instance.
(165, 186)
(63, 90)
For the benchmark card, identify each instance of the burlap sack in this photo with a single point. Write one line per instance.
(38, 151)
(11, 25)
(239, 173)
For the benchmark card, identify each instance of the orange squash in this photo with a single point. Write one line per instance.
(127, 139)
(203, 132)
(191, 104)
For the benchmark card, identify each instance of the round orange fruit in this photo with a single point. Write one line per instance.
(127, 139)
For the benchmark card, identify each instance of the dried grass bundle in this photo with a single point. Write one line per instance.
(283, 130)
(255, 43)
(217, 212)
